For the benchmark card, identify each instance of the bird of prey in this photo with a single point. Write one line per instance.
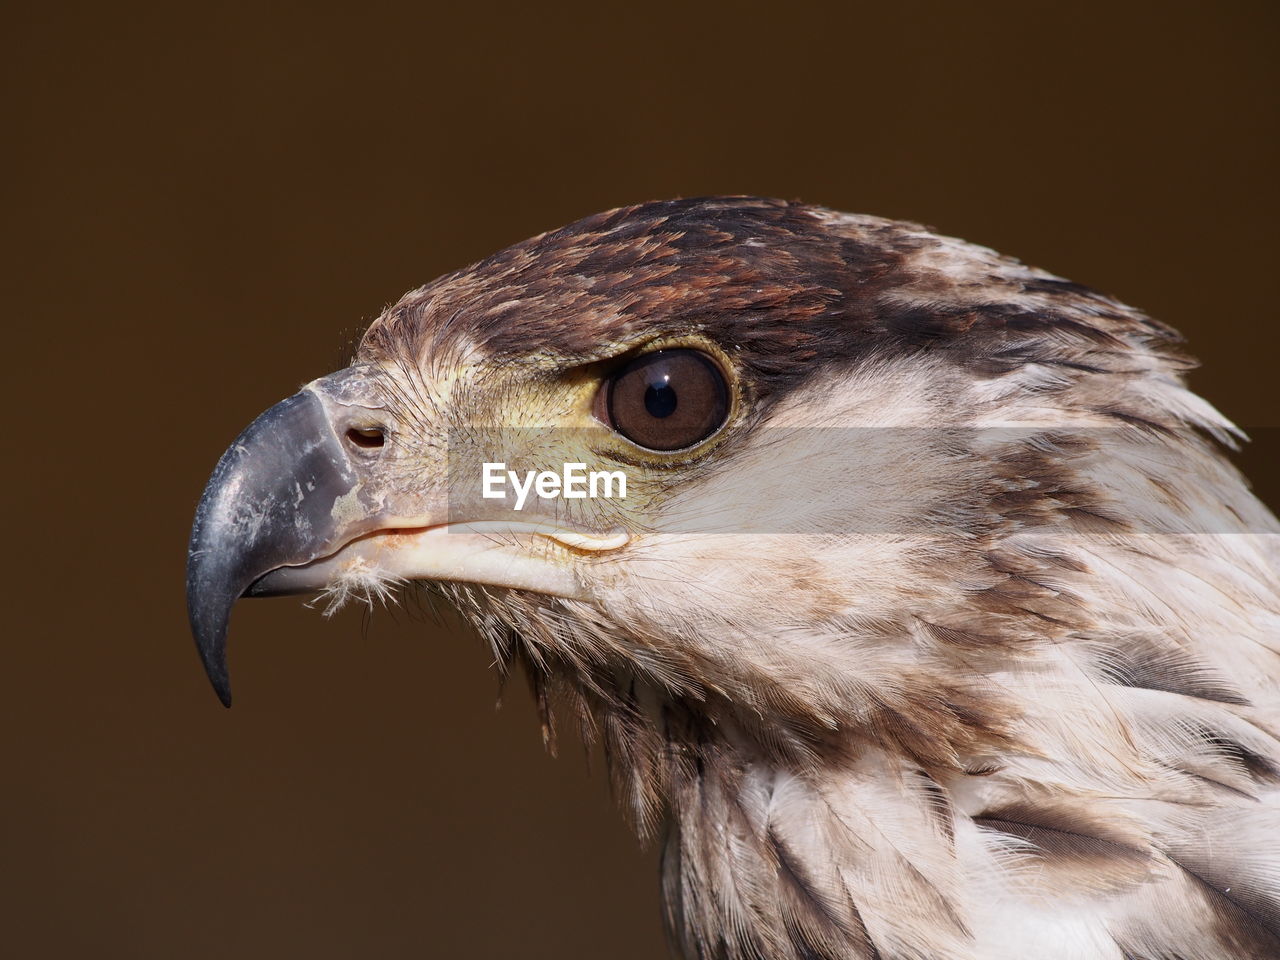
(934, 624)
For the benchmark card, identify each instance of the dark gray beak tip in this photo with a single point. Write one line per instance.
(209, 628)
(214, 656)
(221, 682)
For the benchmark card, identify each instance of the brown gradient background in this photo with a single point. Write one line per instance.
(206, 206)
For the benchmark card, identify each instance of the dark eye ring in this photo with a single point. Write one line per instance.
(667, 399)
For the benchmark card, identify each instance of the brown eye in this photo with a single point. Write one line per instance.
(668, 399)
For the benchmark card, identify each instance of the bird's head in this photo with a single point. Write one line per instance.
(832, 430)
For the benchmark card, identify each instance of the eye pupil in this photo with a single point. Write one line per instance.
(667, 399)
(660, 400)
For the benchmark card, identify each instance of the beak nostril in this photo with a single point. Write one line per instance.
(366, 437)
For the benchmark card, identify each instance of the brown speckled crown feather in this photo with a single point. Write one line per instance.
(787, 287)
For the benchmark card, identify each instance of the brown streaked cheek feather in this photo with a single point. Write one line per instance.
(1032, 711)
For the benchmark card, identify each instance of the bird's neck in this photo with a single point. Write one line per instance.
(764, 861)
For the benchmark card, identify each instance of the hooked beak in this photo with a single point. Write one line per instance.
(293, 505)
(270, 503)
